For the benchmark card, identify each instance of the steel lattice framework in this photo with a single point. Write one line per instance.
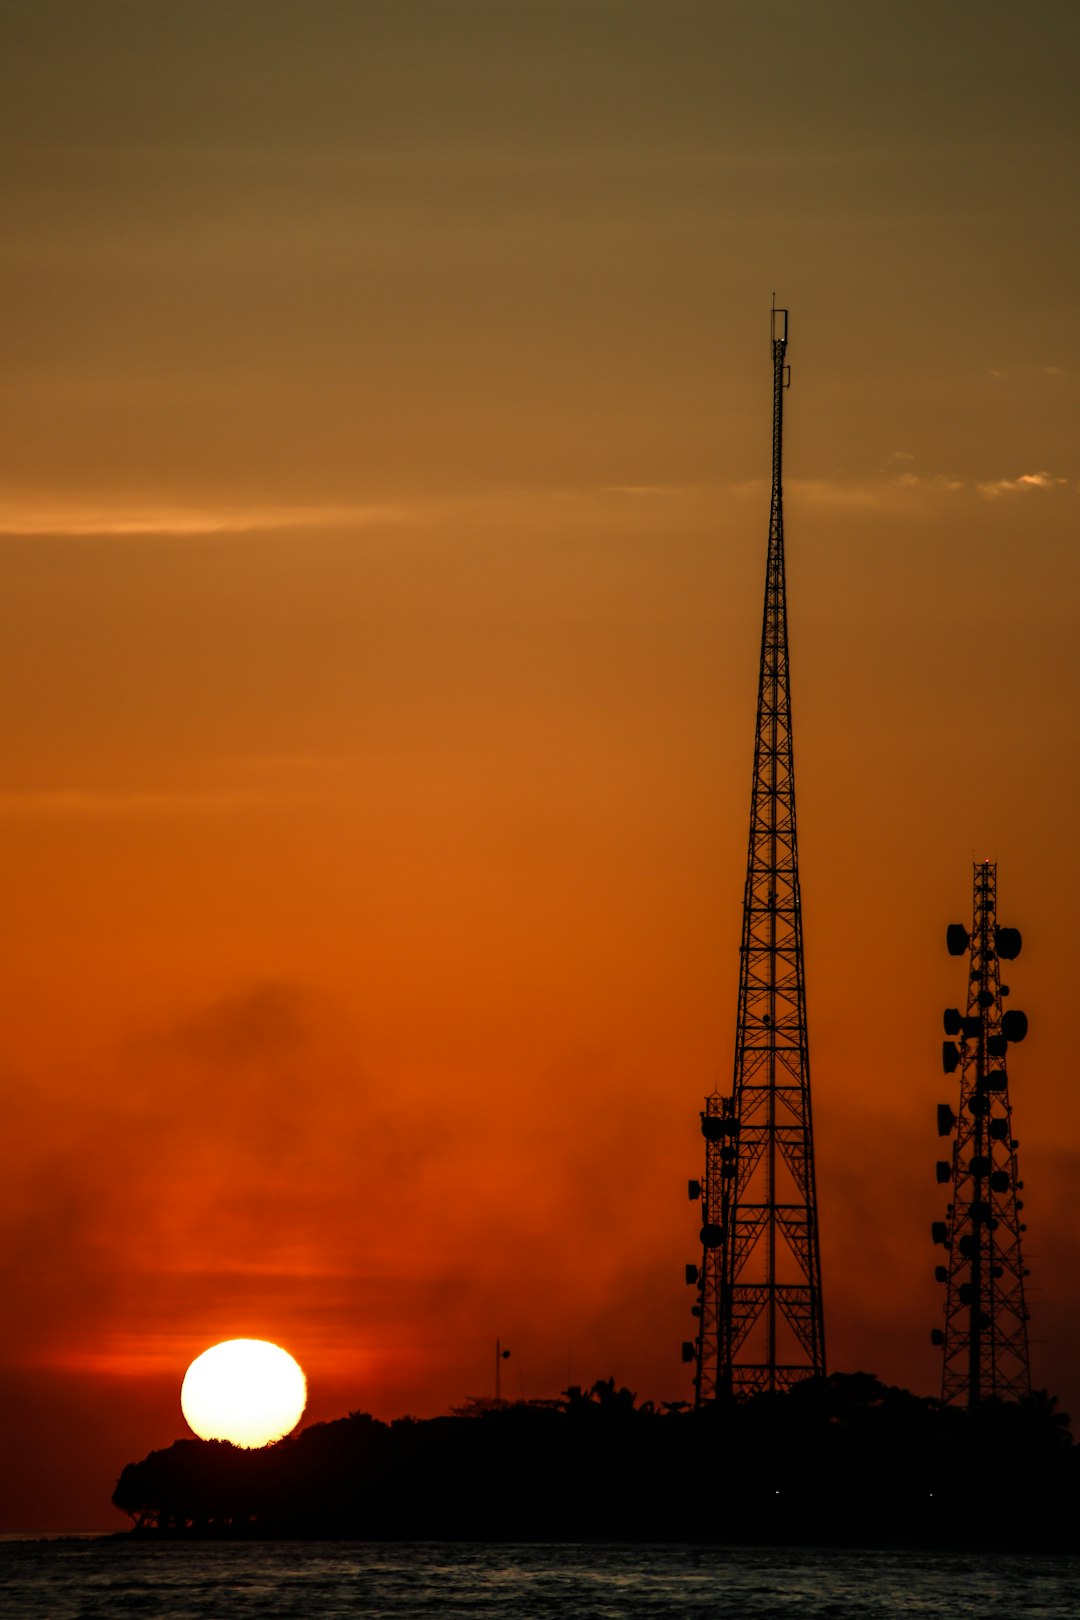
(759, 1284)
(985, 1338)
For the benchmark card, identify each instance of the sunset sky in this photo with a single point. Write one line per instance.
(384, 452)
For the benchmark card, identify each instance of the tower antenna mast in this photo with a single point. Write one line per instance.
(759, 1307)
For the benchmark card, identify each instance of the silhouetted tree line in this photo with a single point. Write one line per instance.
(844, 1460)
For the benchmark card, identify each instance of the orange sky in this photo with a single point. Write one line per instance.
(384, 442)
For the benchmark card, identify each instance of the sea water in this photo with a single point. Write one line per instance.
(80, 1579)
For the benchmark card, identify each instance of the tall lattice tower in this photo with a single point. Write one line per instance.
(760, 1324)
(985, 1337)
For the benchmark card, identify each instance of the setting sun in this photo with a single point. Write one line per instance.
(245, 1390)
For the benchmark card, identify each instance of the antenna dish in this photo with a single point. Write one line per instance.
(1014, 1024)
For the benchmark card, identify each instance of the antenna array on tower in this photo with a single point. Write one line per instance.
(985, 1337)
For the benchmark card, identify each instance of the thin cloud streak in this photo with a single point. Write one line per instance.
(88, 522)
(645, 491)
(79, 802)
(1011, 373)
(296, 781)
(79, 521)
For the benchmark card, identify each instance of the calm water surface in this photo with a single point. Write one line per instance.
(83, 1579)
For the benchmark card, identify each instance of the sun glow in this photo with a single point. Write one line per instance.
(245, 1390)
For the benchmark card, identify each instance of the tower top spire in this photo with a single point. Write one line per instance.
(781, 380)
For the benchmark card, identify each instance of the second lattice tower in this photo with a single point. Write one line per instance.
(985, 1338)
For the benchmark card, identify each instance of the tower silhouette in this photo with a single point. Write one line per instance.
(759, 1309)
(985, 1337)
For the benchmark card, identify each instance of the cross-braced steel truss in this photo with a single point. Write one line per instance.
(759, 1284)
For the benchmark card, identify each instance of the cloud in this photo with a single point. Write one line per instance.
(79, 802)
(267, 1019)
(937, 482)
(1011, 373)
(868, 494)
(79, 520)
(644, 490)
(875, 494)
(991, 490)
(893, 489)
(268, 780)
